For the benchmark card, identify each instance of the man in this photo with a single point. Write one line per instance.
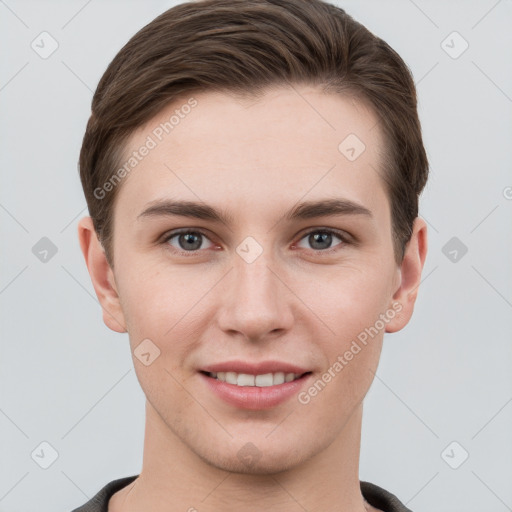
(252, 171)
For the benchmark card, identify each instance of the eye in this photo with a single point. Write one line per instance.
(321, 239)
(190, 241)
(187, 240)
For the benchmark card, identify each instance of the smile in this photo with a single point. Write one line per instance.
(255, 391)
(262, 380)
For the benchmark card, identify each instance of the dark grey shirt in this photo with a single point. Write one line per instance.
(374, 495)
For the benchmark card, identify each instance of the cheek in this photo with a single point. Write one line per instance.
(167, 308)
(154, 301)
(159, 310)
(357, 304)
(348, 303)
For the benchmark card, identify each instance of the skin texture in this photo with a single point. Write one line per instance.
(255, 159)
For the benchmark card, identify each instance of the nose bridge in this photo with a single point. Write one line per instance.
(254, 281)
(256, 301)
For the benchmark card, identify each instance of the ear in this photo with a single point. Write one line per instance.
(102, 276)
(409, 275)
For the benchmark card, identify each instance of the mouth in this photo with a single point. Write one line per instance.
(262, 380)
(254, 386)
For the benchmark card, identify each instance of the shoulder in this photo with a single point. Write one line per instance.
(381, 499)
(99, 502)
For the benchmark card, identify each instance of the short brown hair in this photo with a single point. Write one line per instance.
(243, 47)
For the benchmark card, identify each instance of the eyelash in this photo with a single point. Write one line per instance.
(344, 240)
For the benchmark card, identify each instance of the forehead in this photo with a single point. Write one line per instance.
(290, 143)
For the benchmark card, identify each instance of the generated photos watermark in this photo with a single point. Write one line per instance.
(343, 360)
(152, 140)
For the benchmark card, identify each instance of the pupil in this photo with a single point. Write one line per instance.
(191, 241)
(321, 238)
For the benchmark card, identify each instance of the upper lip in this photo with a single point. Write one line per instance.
(254, 368)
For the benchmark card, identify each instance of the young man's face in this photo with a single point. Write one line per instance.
(262, 287)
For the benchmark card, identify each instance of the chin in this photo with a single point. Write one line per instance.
(265, 463)
(253, 455)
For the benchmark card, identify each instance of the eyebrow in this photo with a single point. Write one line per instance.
(302, 211)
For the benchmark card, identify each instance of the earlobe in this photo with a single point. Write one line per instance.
(410, 277)
(102, 276)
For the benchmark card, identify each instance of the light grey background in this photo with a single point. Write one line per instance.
(68, 381)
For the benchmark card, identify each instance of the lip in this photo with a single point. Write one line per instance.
(253, 397)
(256, 368)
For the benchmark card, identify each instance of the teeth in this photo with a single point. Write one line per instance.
(244, 379)
(261, 381)
(278, 378)
(264, 380)
(231, 377)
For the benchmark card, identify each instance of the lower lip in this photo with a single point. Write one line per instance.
(253, 397)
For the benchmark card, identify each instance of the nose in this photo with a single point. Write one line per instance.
(256, 299)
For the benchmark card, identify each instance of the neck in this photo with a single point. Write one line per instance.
(174, 478)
